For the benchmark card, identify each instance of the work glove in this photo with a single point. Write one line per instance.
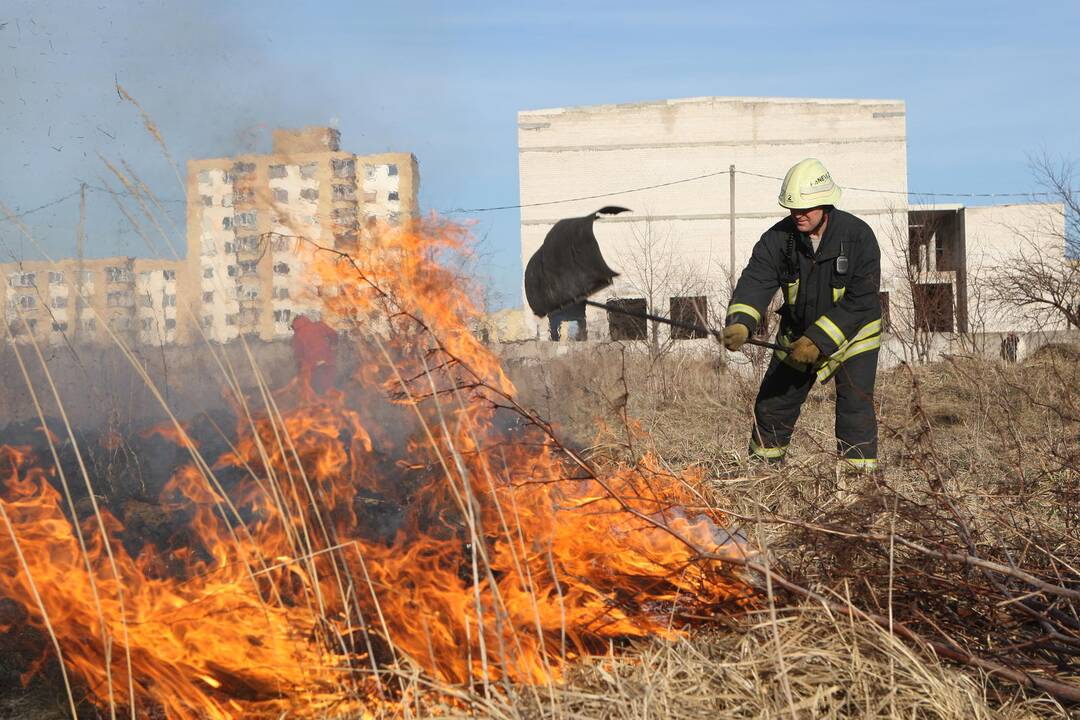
(735, 335)
(804, 350)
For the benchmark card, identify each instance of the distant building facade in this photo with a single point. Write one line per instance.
(83, 301)
(253, 219)
(252, 224)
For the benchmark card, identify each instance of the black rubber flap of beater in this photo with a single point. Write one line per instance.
(568, 267)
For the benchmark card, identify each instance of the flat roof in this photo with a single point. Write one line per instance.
(710, 99)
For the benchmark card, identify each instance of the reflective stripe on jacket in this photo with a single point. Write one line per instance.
(839, 311)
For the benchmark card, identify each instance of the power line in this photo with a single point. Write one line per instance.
(695, 178)
(912, 192)
(31, 211)
(591, 197)
(908, 193)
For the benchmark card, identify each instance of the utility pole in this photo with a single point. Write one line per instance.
(80, 251)
(731, 228)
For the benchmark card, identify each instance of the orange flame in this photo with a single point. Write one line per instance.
(383, 526)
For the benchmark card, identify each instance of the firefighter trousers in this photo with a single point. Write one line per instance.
(781, 396)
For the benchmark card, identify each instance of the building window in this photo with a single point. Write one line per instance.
(933, 307)
(168, 274)
(85, 277)
(145, 301)
(281, 268)
(347, 237)
(309, 170)
(247, 242)
(23, 279)
(170, 323)
(59, 302)
(147, 323)
(89, 325)
(248, 267)
(244, 219)
(343, 192)
(277, 171)
(26, 302)
(393, 196)
(343, 214)
(281, 293)
(204, 176)
(207, 321)
(60, 326)
(692, 311)
(281, 195)
(311, 194)
(207, 201)
(208, 272)
(119, 298)
(343, 167)
(391, 170)
(230, 248)
(207, 297)
(886, 321)
(226, 223)
(251, 292)
(282, 316)
(168, 301)
(116, 274)
(230, 319)
(626, 327)
(121, 323)
(243, 168)
(56, 278)
(393, 218)
(370, 196)
(231, 271)
(280, 243)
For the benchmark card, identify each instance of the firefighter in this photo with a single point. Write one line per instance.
(826, 264)
(313, 347)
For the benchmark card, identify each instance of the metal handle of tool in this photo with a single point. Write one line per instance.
(718, 334)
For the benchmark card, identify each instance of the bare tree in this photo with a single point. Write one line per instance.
(655, 270)
(906, 321)
(1042, 277)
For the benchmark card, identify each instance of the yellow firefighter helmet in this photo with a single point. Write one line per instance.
(808, 185)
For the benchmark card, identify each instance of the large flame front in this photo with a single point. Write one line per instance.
(352, 540)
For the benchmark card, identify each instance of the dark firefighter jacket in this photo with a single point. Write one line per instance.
(837, 307)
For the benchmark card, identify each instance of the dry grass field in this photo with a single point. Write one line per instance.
(977, 502)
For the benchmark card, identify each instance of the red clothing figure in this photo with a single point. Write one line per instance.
(313, 348)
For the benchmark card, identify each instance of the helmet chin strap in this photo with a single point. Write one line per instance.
(824, 217)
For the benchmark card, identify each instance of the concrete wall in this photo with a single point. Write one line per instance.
(574, 152)
(996, 235)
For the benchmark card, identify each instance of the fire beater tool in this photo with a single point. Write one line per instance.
(568, 268)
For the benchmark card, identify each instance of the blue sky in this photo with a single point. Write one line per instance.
(987, 84)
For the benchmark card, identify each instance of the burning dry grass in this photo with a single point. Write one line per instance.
(510, 555)
(968, 538)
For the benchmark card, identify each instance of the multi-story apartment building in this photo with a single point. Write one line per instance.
(254, 220)
(82, 300)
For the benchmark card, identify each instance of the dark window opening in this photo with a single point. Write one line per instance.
(935, 240)
(627, 327)
(934, 307)
(692, 311)
(576, 326)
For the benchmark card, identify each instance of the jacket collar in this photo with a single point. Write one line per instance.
(829, 247)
